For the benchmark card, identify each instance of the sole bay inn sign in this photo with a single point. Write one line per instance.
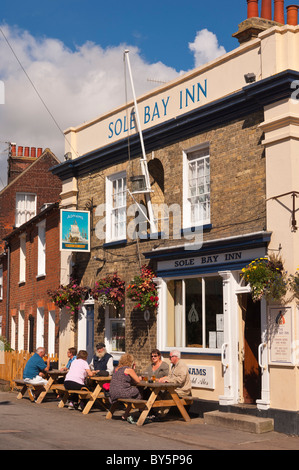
(209, 260)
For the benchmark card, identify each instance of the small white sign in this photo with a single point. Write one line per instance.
(202, 376)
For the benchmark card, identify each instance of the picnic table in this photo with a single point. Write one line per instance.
(89, 393)
(52, 376)
(155, 400)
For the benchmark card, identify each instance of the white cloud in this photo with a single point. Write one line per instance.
(205, 47)
(75, 85)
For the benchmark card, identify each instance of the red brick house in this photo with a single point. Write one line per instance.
(29, 259)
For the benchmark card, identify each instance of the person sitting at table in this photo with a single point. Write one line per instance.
(71, 354)
(36, 368)
(75, 378)
(123, 382)
(158, 367)
(179, 374)
(102, 361)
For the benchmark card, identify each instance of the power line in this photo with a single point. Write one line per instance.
(35, 89)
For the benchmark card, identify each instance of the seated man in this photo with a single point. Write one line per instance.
(179, 375)
(36, 367)
(102, 362)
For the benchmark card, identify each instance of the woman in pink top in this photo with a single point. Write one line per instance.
(75, 378)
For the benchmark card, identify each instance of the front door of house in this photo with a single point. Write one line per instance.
(252, 339)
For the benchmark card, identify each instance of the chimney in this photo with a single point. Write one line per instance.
(266, 12)
(292, 15)
(279, 11)
(252, 9)
(19, 159)
(250, 28)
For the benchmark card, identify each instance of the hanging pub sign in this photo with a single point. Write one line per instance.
(74, 230)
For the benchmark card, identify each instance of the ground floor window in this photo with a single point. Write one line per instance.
(115, 330)
(195, 313)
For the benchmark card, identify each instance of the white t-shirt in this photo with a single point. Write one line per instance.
(77, 372)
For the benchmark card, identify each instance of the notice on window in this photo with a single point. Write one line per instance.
(280, 335)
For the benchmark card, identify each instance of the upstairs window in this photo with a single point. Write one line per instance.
(197, 188)
(25, 208)
(41, 248)
(22, 276)
(116, 201)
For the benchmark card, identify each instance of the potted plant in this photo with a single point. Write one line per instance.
(69, 296)
(110, 291)
(143, 290)
(266, 277)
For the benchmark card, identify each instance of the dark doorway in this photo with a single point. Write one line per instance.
(252, 339)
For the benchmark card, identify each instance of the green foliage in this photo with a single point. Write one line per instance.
(143, 290)
(267, 278)
(69, 296)
(110, 291)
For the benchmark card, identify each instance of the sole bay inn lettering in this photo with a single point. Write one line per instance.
(160, 109)
(208, 260)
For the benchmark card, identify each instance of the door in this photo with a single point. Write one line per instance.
(252, 339)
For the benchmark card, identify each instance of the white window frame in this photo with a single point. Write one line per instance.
(1, 282)
(41, 249)
(51, 332)
(112, 210)
(163, 312)
(40, 327)
(22, 270)
(203, 155)
(25, 207)
(21, 330)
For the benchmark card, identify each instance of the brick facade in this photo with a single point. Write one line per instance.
(238, 207)
(36, 178)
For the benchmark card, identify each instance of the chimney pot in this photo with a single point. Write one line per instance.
(266, 12)
(20, 151)
(39, 152)
(252, 9)
(13, 150)
(33, 152)
(26, 152)
(279, 11)
(292, 15)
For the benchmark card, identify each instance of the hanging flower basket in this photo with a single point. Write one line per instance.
(294, 285)
(143, 290)
(69, 296)
(267, 278)
(110, 291)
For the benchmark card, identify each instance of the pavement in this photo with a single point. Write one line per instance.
(31, 426)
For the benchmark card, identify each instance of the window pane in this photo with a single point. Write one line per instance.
(214, 307)
(193, 299)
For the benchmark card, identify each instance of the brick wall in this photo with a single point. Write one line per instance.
(237, 207)
(32, 293)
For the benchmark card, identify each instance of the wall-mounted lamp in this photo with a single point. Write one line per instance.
(250, 77)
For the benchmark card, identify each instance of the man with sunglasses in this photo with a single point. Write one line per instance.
(179, 375)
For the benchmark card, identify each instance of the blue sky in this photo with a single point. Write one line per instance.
(160, 29)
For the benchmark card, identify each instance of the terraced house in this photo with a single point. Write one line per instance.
(197, 179)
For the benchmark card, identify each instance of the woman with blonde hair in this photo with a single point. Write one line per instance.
(123, 382)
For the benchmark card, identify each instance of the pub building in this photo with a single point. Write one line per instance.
(216, 150)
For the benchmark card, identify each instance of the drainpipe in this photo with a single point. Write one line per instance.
(7, 292)
(292, 15)
(252, 9)
(279, 11)
(266, 9)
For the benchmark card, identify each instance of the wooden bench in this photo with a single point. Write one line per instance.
(25, 386)
(134, 403)
(84, 393)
